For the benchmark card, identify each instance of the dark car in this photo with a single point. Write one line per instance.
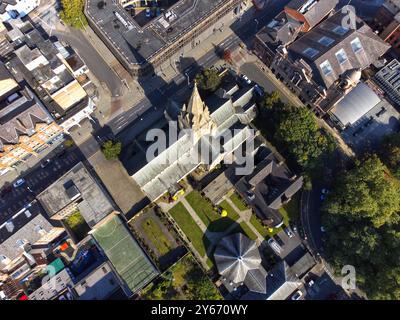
(279, 240)
(61, 154)
(5, 190)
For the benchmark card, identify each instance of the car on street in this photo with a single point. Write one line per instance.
(279, 240)
(289, 232)
(302, 233)
(148, 13)
(297, 295)
(258, 90)
(45, 163)
(274, 245)
(5, 190)
(245, 79)
(19, 183)
(310, 283)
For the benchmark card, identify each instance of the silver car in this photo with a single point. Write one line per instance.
(275, 246)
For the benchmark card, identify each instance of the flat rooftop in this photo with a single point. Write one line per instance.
(139, 43)
(77, 186)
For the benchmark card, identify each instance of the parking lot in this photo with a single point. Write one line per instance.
(368, 131)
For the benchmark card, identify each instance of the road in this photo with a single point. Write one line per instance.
(128, 123)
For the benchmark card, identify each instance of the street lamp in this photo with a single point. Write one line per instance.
(188, 79)
(256, 21)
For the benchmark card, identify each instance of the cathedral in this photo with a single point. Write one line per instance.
(208, 132)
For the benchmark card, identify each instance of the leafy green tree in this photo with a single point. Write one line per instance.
(298, 131)
(367, 191)
(208, 80)
(72, 13)
(389, 152)
(111, 149)
(361, 218)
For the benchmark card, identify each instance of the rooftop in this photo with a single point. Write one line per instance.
(140, 43)
(125, 254)
(331, 49)
(77, 187)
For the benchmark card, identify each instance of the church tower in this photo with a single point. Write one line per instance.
(196, 116)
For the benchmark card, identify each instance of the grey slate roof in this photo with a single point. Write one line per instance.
(19, 117)
(373, 48)
(24, 225)
(235, 256)
(281, 283)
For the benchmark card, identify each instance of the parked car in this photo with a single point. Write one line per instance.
(293, 226)
(246, 79)
(61, 154)
(310, 283)
(19, 183)
(279, 240)
(5, 190)
(45, 163)
(289, 232)
(148, 13)
(297, 295)
(302, 233)
(274, 245)
(258, 90)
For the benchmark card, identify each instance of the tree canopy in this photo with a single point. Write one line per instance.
(361, 216)
(72, 13)
(389, 152)
(208, 80)
(294, 130)
(111, 149)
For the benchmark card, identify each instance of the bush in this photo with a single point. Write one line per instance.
(111, 149)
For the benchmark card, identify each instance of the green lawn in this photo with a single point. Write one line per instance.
(231, 212)
(238, 202)
(247, 231)
(263, 230)
(203, 208)
(184, 220)
(211, 218)
(156, 236)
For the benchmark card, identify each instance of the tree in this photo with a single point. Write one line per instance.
(367, 191)
(208, 80)
(389, 152)
(298, 131)
(361, 218)
(111, 149)
(72, 13)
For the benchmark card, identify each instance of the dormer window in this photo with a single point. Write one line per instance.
(21, 243)
(310, 52)
(341, 56)
(326, 67)
(356, 45)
